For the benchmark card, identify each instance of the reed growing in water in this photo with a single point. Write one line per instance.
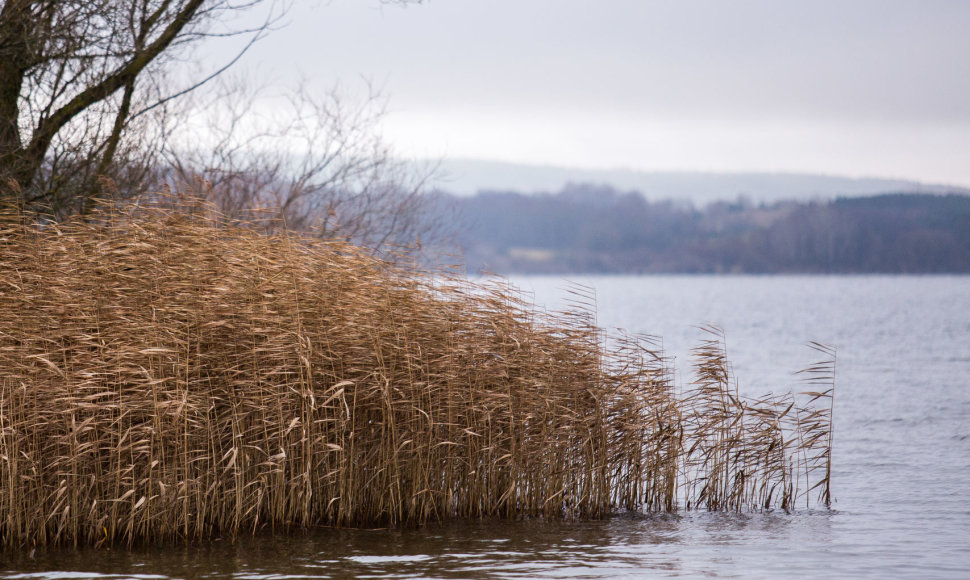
(170, 377)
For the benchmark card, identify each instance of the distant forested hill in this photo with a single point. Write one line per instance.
(468, 176)
(601, 230)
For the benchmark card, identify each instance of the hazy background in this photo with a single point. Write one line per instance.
(877, 88)
(638, 136)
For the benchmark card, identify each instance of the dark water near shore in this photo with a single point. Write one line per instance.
(901, 476)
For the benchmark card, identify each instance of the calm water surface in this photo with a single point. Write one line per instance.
(901, 474)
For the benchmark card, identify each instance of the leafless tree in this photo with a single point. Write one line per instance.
(79, 81)
(91, 106)
(307, 160)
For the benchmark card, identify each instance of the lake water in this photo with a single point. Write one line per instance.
(901, 475)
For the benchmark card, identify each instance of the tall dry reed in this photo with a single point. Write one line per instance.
(169, 377)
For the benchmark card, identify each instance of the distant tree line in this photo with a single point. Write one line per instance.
(598, 229)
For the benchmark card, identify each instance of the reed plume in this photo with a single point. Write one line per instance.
(170, 377)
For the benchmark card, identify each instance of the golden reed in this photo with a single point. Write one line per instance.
(169, 377)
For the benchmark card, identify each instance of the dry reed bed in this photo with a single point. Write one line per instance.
(170, 377)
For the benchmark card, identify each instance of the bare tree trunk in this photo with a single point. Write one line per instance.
(15, 28)
(121, 119)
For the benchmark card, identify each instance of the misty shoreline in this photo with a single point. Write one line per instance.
(585, 229)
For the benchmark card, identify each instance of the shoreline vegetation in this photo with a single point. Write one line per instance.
(594, 229)
(171, 376)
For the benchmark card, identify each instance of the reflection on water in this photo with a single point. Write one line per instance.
(901, 471)
(691, 544)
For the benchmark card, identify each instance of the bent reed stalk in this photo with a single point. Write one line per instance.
(170, 377)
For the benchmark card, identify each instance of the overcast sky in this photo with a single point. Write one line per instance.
(848, 87)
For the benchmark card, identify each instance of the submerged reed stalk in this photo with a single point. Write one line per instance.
(170, 377)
